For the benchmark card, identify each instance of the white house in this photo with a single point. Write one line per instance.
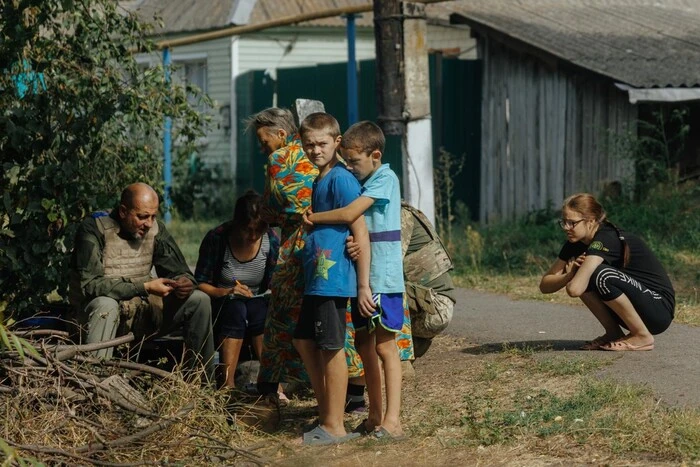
(215, 64)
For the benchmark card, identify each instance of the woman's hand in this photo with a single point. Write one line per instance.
(573, 264)
(558, 275)
(241, 290)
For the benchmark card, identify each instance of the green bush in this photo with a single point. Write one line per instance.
(79, 120)
(668, 220)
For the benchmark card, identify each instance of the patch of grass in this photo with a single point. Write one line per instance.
(601, 415)
(490, 372)
(526, 350)
(189, 234)
(568, 366)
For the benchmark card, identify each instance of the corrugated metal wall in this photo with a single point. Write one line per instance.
(546, 133)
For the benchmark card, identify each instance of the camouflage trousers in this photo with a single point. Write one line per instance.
(430, 311)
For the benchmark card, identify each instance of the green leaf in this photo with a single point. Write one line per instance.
(31, 350)
(18, 345)
(13, 174)
(4, 338)
(47, 203)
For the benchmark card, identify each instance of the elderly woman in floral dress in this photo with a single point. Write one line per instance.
(288, 183)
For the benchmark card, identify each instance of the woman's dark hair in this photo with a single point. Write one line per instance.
(589, 207)
(249, 211)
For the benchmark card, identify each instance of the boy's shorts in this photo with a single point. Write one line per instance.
(323, 320)
(388, 314)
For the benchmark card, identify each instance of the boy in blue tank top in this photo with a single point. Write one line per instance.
(330, 281)
(375, 331)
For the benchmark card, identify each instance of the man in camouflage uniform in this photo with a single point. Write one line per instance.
(113, 292)
(429, 287)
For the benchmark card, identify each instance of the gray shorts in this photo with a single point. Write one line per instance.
(323, 320)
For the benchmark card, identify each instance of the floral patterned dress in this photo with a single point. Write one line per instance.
(289, 180)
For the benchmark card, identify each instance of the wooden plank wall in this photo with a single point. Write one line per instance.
(546, 134)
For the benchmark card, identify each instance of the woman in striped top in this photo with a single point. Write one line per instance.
(235, 263)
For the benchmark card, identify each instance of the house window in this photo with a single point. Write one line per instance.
(193, 72)
(187, 69)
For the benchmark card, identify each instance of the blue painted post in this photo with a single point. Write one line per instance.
(167, 144)
(351, 70)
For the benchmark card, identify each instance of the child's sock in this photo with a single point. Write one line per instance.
(355, 399)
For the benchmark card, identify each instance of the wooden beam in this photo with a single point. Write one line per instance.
(284, 21)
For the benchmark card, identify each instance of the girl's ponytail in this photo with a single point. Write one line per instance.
(625, 246)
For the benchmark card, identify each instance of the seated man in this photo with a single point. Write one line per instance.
(111, 284)
(426, 269)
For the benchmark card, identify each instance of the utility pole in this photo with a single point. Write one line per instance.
(403, 94)
(388, 39)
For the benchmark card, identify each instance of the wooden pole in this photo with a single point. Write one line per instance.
(388, 39)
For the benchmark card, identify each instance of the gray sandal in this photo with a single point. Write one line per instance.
(320, 437)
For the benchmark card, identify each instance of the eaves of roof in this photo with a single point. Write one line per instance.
(644, 43)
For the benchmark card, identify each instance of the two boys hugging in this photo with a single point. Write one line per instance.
(364, 199)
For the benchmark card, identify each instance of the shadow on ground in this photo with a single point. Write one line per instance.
(529, 346)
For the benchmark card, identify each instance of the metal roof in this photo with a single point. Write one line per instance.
(179, 16)
(644, 43)
(183, 15)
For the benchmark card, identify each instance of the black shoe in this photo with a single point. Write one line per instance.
(355, 406)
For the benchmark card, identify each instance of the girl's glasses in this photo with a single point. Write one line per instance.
(567, 224)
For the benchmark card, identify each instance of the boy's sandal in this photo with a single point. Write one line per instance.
(383, 433)
(362, 428)
(282, 399)
(320, 437)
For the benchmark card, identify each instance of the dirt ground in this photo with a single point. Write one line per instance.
(436, 403)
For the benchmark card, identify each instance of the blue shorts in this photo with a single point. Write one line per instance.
(388, 314)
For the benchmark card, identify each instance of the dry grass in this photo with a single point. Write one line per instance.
(468, 405)
(54, 414)
(465, 405)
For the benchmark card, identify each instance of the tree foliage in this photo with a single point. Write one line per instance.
(79, 120)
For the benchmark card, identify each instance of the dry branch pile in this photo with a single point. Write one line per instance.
(59, 405)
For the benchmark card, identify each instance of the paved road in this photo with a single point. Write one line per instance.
(671, 370)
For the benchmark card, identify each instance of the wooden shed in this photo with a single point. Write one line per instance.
(559, 79)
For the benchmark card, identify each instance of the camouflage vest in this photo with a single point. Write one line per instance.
(126, 258)
(123, 258)
(431, 261)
